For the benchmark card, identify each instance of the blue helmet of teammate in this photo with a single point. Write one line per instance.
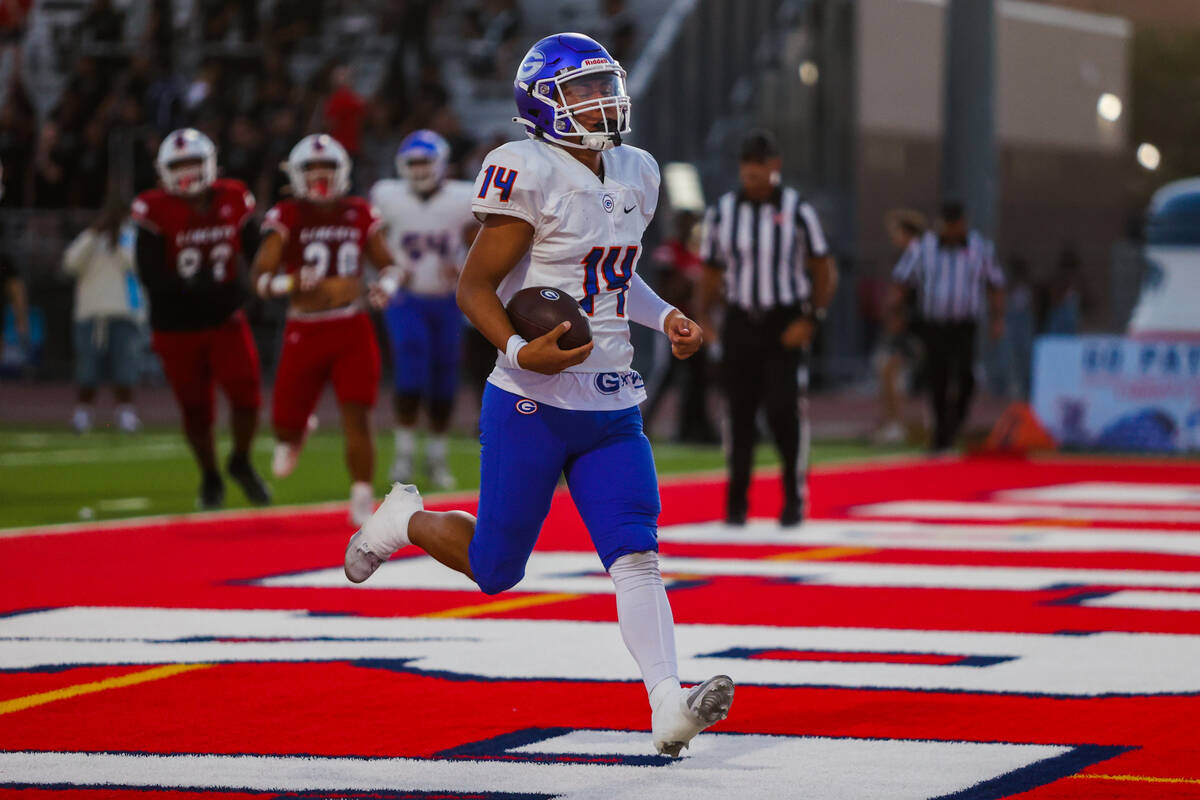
(570, 90)
(421, 160)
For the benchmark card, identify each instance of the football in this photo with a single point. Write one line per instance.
(536, 310)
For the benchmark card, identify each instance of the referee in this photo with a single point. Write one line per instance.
(951, 270)
(764, 250)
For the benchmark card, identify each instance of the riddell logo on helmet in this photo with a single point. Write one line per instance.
(588, 62)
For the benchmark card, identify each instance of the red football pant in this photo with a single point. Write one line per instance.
(195, 361)
(315, 352)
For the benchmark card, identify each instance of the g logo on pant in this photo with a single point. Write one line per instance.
(526, 406)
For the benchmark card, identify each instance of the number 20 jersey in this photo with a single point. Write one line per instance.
(587, 233)
(201, 254)
(323, 239)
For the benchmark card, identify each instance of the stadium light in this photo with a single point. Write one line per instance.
(1109, 107)
(809, 73)
(1149, 156)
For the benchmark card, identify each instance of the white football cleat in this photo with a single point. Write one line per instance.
(680, 716)
(283, 461)
(383, 533)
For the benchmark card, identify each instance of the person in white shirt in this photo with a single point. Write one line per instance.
(578, 202)
(429, 226)
(107, 336)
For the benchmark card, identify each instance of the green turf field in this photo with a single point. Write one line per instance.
(55, 476)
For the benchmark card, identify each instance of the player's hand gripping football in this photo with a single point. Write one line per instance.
(544, 355)
(686, 335)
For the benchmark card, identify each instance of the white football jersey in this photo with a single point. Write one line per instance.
(426, 234)
(587, 242)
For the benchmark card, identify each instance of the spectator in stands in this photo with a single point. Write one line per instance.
(283, 129)
(91, 174)
(107, 335)
(242, 151)
(1062, 297)
(344, 110)
(490, 29)
(17, 128)
(447, 124)
(12, 293)
(51, 168)
(619, 29)
(102, 23)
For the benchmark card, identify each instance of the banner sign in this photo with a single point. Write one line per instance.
(1112, 393)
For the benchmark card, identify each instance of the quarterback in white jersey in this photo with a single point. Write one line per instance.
(576, 201)
(429, 225)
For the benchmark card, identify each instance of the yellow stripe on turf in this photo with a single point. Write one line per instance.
(499, 606)
(823, 553)
(1136, 779)
(132, 679)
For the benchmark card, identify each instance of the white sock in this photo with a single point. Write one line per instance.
(388, 526)
(406, 442)
(664, 689)
(436, 448)
(645, 618)
(361, 491)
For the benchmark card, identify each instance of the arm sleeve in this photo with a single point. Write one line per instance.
(906, 268)
(79, 253)
(276, 220)
(251, 236)
(814, 234)
(644, 306)
(506, 185)
(151, 266)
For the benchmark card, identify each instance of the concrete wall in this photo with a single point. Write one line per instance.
(1060, 167)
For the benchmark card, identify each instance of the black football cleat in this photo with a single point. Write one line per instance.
(212, 492)
(791, 516)
(250, 482)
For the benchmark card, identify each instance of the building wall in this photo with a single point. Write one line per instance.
(1060, 167)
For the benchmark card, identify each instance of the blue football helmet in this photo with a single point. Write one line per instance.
(421, 160)
(570, 90)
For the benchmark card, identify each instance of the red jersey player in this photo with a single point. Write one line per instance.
(312, 250)
(191, 234)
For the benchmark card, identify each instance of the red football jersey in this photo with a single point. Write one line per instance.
(199, 240)
(323, 239)
(194, 284)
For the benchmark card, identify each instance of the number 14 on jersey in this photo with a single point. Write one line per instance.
(603, 261)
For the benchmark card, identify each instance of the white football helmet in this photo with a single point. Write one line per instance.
(200, 156)
(315, 150)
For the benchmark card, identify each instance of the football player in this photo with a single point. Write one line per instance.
(429, 224)
(578, 202)
(312, 252)
(191, 236)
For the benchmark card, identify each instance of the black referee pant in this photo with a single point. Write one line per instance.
(761, 373)
(950, 359)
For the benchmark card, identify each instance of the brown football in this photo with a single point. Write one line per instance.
(536, 310)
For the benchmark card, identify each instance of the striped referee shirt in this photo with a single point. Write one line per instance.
(762, 248)
(949, 278)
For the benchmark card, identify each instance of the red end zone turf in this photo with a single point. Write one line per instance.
(1014, 629)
